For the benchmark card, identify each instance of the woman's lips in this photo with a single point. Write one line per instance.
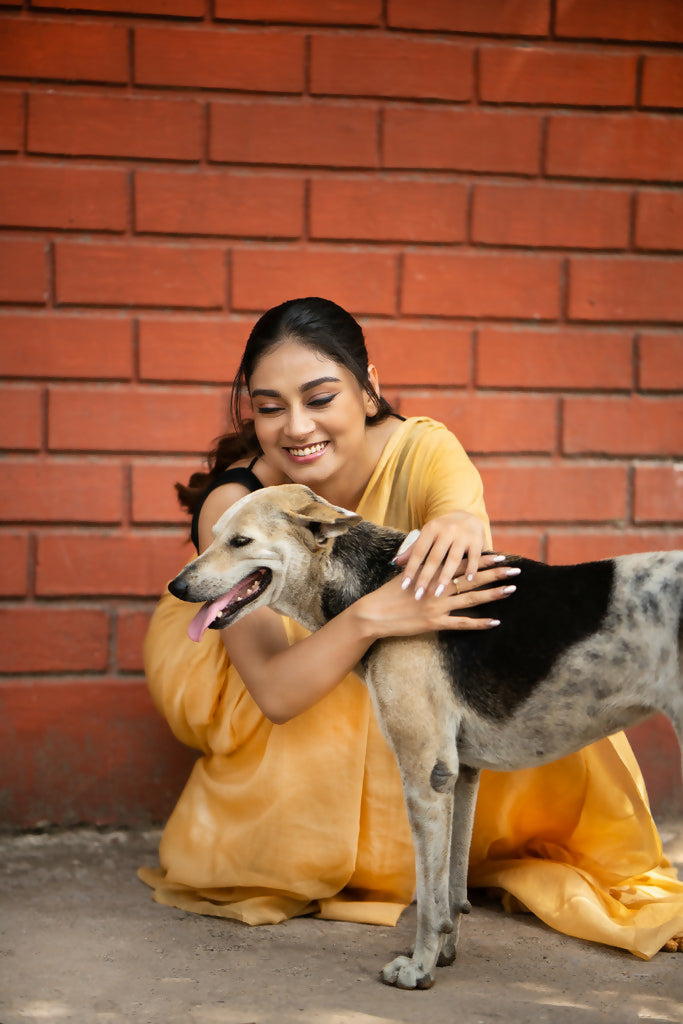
(309, 452)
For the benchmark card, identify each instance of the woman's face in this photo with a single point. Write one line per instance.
(310, 415)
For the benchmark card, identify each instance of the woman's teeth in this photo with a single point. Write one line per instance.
(311, 450)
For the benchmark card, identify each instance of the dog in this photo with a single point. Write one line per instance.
(582, 651)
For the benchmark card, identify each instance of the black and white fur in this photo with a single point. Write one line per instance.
(582, 651)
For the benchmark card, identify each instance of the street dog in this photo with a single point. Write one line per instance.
(582, 651)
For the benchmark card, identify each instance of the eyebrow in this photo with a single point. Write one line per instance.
(269, 393)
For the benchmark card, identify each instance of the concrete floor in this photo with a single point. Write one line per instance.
(81, 941)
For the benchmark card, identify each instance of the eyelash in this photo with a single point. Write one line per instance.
(317, 403)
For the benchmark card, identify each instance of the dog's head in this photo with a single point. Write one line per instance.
(263, 545)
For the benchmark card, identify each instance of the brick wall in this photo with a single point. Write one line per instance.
(493, 187)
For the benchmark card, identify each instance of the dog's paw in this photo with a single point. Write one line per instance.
(674, 945)
(404, 972)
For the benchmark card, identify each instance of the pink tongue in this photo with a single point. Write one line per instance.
(205, 616)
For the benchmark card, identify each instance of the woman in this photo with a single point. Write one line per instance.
(296, 805)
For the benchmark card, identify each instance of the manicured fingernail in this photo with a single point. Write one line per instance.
(499, 558)
(512, 572)
(494, 622)
(469, 577)
(408, 542)
(419, 592)
(406, 583)
(509, 590)
(439, 590)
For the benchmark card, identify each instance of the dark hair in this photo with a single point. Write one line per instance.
(318, 323)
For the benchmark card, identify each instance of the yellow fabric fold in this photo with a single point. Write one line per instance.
(276, 821)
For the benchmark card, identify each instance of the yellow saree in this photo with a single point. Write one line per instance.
(308, 817)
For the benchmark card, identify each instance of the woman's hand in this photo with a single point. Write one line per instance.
(391, 611)
(436, 555)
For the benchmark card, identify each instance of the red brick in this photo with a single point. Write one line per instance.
(388, 209)
(143, 419)
(391, 66)
(90, 750)
(76, 52)
(528, 74)
(662, 80)
(659, 220)
(419, 355)
(258, 61)
(623, 426)
(154, 495)
(658, 494)
(21, 424)
(561, 358)
(566, 547)
(619, 146)
(192, 349)
(658, 755)
(23, 271)
(61, 490)
(551, 215)
(117, 564)
(301, 134)
(11, 121)
(624, 289)
(165, 8)
(60, 196)
(554, 492)
(337, 12)
(131, 627)
(648, 20)
(139, 274)
(14, 553)
(527, 543)
(72, 124)
(40, 639)
(49, 345)
(661, 362)
(219, 203)
(362, 282)
(504, 17)
(494, 422)
(481, 284)
(462, 140)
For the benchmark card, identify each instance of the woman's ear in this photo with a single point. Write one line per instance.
(371, 408)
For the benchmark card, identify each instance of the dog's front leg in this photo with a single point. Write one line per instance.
(464, 806)
(430, 816)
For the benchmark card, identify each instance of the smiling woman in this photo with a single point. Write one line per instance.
(296, 805)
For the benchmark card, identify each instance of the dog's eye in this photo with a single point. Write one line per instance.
(239, 541)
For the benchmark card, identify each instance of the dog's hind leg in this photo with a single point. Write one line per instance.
(464, 805)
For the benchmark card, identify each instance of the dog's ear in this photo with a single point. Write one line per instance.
(324, 522)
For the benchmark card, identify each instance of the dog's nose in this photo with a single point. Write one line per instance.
(178, 587)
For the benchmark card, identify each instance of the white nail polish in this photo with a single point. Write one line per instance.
(494, 622)
(406, 583)
(509, 590)
(418, 593)
(499, 558)
(512, 572)
(439, 590)
(469, 577)
(408, 542)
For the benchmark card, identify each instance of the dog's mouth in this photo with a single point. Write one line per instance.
(221, 612)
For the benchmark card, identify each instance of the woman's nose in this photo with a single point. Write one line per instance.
(299, 423)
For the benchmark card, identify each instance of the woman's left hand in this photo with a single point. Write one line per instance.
(436, 555)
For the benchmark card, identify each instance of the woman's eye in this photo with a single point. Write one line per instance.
(321, 400)
(268, 410)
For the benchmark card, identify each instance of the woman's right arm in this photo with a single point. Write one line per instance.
(286, 680)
